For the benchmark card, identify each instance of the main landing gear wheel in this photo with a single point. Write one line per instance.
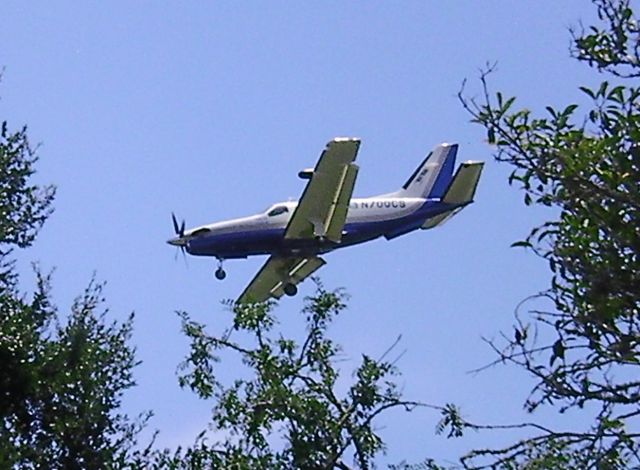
(220, 272)
(290, 289)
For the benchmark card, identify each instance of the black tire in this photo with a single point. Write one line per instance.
(290, 289)
(220, 274)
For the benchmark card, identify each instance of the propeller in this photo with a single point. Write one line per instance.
(179, 231)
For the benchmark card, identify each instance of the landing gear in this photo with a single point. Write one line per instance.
(220, 272)
(290, 289)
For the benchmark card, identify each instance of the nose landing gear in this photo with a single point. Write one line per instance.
(220, 273)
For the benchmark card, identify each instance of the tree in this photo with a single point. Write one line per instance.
(584, 161)
(288, 411)
(62, 376)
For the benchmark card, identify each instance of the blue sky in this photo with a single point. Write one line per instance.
(210, 109)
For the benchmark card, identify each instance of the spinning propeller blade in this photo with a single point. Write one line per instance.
(179, 229)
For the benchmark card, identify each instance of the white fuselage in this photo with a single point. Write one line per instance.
(361, 210)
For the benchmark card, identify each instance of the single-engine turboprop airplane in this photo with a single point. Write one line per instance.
(326, 217)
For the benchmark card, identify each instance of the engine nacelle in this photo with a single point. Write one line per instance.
(306, 174)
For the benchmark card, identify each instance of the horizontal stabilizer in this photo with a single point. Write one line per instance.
(440, 219)
(464, 184)
(460, 192)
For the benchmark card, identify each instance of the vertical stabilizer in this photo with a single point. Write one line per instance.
(431, 179)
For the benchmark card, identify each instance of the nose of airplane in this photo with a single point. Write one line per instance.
(177, 241)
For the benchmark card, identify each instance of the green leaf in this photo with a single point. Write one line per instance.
(570, 109)
(508, 104)
(603, 89)
(491, 135)
(521, 244)
(589, 92)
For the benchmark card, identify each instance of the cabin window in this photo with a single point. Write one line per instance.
(277, 211)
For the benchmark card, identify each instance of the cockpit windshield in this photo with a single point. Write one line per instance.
(277, 211)
(200, 232)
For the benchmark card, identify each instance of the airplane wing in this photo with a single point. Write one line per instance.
(324, 204)
(275, 274)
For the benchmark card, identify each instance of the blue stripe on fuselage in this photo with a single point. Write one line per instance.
(271, 241)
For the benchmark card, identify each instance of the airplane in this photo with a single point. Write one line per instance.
(326, 218)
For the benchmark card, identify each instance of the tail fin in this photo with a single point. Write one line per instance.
(459, 193)
(432, 177)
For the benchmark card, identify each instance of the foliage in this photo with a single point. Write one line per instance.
(583, 161)
(23, 207)
(62, 376)
(289, 411)
(428, 464)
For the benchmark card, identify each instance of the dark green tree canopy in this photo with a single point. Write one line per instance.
(23, 206)
(63, 374)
